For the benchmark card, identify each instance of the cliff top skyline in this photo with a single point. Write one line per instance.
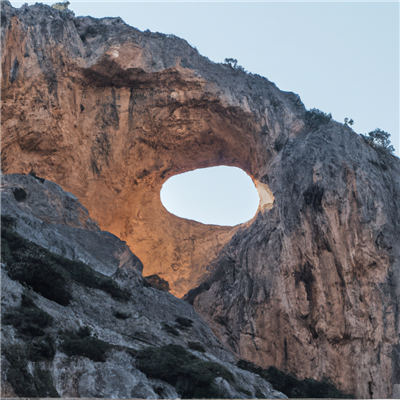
(342, 58)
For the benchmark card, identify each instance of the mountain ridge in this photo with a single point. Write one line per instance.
(309, 286)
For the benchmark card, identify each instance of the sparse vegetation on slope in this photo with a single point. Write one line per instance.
(30, 322)
(192, 377)
(46, 273)
(27, 319)
(292, 387)
(196, 346)
(40, 384)
(83, 343)
(316, 118)
(379, 140)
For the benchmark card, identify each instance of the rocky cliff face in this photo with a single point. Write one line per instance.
(313, 285)
(115, 112)
(65, 335)
(310, 285)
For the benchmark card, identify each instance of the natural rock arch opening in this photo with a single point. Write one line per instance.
(221, 195)
(131, 129)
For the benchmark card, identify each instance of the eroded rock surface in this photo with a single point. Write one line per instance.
(313, 285)
(36, 326)
(310, 285)
(110, 113)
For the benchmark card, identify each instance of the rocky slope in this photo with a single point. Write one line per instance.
(66, 336)
(310, 285)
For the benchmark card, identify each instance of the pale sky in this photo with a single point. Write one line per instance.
(340, 57)
(216, 195)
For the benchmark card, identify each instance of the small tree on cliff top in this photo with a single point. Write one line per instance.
(231, 61)
(379, 138)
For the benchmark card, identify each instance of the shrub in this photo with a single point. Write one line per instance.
(48, 273)
(18, 376)
(191, 376)
(158, 283)
(85, 275)
(92, 31)
(348, 122)
(34, 266)
(3, 18)
(44, 278)
(82, 343)
(196, 346)
(316, 118)
(292, 387)
(27, 319)
(7, 221)
(232, 62)
(44, 383)
(41, 349)
(379, 139)
(259, 394)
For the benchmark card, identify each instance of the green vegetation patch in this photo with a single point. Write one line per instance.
(191, 376)
(196, 346)
(85, 275)
(316, 118)
(34, 266)
(82, 343)
(40, 384)
(47, 273)
(41, 348)
(379, 140)
(292, 387)
(8, 222)
(27, 319)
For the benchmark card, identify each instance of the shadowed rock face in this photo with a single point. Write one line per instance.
(310, 285)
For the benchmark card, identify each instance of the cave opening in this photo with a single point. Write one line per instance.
(221, 195)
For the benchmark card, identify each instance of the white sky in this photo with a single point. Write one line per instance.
(340, 57)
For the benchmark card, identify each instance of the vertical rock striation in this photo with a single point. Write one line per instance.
(312, 287)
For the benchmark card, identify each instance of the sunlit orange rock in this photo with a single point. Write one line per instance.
(310, 285)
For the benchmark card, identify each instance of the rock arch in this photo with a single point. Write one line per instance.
(109, 112)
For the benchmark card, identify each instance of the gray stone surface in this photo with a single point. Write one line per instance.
(149, 309)
(54, 219)
(312, 286)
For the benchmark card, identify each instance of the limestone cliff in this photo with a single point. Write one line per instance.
(78, 319)
(310, 285)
